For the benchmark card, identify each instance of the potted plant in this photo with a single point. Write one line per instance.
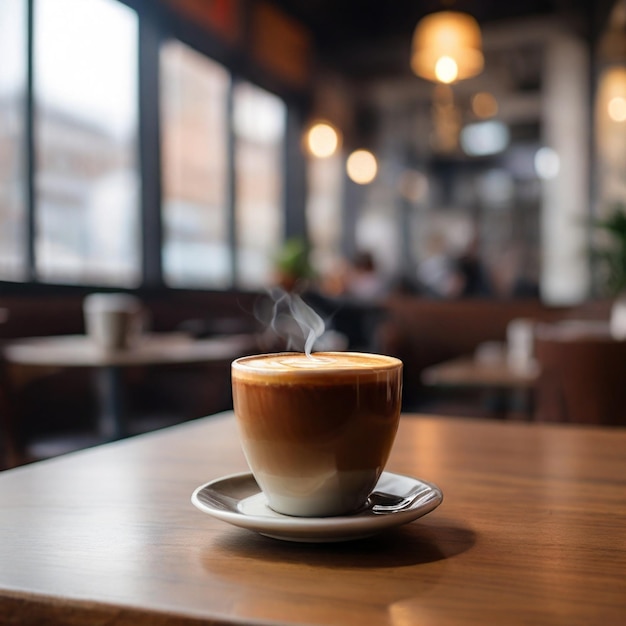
(292, 264)
(611, 262)
(611, 258)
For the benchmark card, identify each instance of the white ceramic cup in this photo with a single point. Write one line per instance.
(112, 320)
(520, 336)
(317, 430)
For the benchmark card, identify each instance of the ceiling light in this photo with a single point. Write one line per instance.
(447, 47)
(617, 109)
(446, 70)
(362, 167)
(322, 140)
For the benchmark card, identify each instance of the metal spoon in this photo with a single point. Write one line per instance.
(381, 502)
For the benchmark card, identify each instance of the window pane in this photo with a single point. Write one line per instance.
(259, 123)
(194, 93)
(12, 91)
(86, 182)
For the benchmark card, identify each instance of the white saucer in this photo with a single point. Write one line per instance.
(396, 500)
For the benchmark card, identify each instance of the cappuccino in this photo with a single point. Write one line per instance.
(317, 430)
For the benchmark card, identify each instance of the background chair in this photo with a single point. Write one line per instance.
(582, 379)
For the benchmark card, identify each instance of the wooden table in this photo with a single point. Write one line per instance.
(149, 349)
(507, 390)
(468, 371)
(532, 530)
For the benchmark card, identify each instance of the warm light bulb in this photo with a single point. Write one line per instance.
(617, 109)
(446, 70)
(322, 140)
(362, 167)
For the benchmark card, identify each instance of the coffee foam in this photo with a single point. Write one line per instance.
(285, 365)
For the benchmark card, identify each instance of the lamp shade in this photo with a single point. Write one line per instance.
(447, 46)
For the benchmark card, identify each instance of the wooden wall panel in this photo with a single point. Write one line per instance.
(281, 45)
(222, 17)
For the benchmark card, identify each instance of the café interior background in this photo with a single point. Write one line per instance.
(161, 144)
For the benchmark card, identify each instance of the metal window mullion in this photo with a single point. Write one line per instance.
(149, 151)
(294, 183)
(232, 182)
(29, 149)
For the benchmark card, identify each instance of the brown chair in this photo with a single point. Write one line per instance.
(582, 379)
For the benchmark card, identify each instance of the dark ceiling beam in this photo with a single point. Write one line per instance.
(367, 39)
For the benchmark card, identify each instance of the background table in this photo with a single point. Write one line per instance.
(472, 372)
(149, 349)
(508, 390)
(532, 530)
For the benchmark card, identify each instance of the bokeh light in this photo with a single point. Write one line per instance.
(446, 70)
(617, 109)
(547, 163)
(362, 167)
(322, 140)
(484, 105)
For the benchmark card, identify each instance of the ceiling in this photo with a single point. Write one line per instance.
(369, 39)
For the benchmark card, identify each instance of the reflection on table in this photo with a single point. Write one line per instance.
(532, 530)
(147, 350)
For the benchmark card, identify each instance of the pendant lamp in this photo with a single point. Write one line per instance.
(447, 47)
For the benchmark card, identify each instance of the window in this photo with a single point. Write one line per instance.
(86, 178)
(73, 150)
(194, 96)
(198, 242)
(259, 125)
(13, 47)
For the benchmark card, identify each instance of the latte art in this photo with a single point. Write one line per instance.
(314, 361)
(322, 363)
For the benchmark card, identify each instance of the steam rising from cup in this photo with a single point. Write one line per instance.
(292, 319)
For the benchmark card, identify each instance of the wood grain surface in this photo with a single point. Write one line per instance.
(532, 530)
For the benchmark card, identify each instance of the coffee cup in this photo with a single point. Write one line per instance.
(112, 320)
(520, 335)
(317, 429)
